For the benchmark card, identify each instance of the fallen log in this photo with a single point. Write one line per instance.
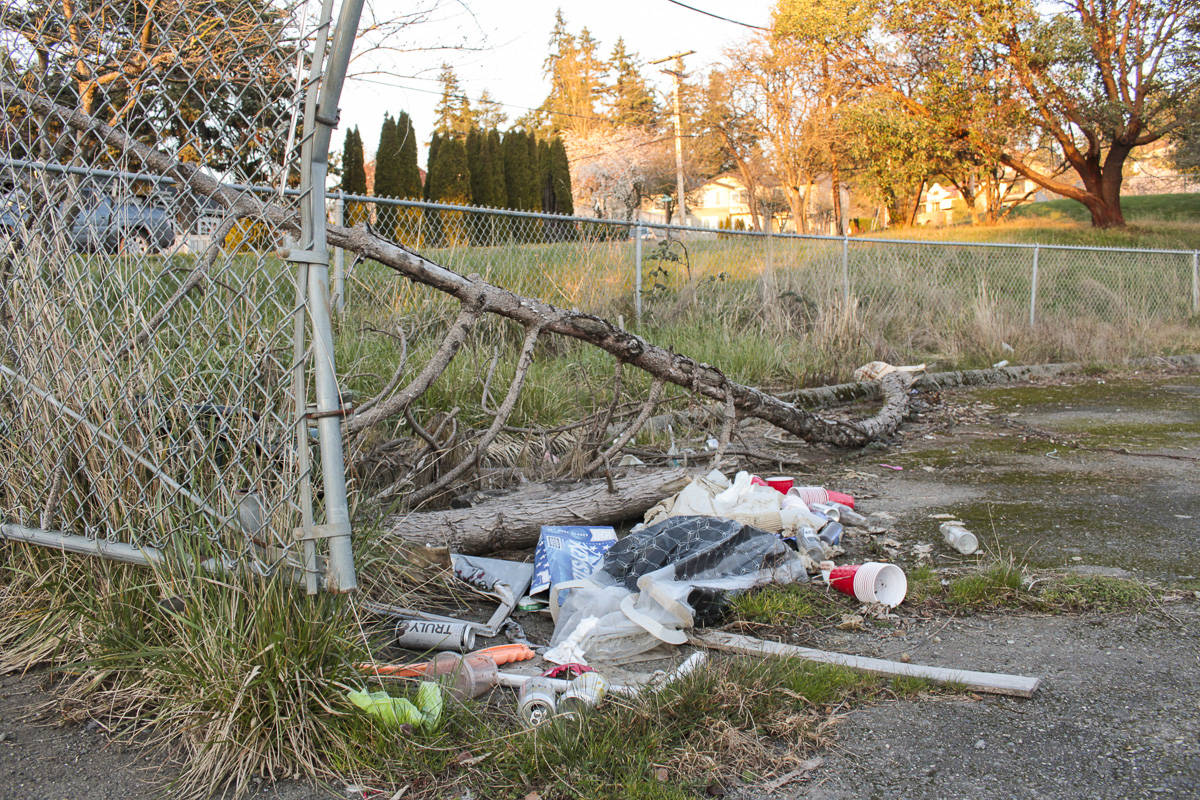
(515, 520)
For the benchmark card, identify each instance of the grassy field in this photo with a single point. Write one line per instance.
(1165, 221)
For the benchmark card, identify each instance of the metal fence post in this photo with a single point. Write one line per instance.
(340, 576)
(770, 247)
(846, 269)
(339, 259)
(637, 274)
(1033, 282)
(1196, 282)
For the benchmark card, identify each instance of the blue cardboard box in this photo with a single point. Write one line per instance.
(568, 552)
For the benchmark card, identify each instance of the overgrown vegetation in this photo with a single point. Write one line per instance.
(245, 677)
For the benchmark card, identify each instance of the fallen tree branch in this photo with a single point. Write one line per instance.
(515, 520)
(697, 377)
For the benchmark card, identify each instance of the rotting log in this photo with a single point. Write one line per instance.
(515, 520)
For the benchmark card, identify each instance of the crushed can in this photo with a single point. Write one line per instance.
(535, 702)
(584, 694)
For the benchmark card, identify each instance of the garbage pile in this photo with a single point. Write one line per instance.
(620, 601)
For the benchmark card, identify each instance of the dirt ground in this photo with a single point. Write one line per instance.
(1090, 474)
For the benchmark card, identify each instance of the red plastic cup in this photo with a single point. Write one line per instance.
(872, 582)
(781, 483)
(842, 578)
(757, 481)
(838, 497)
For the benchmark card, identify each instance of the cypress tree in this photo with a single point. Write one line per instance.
(476, 163)
(387, 160)
(456, 172)
(518, 172)
(533, 188)
(409, 181)
(354, 173)
(497, 193)
(560, 179)
(354, 176)
(433, 172)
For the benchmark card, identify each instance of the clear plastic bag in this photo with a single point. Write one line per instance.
(655, 583)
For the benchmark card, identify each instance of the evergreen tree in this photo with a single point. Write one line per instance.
(449, 177)
(495, 190)
(631, 102)
(453, 113)
(387, 160)
(576, 78)
(433, 172)
(545, 189)
(533, 186)
(354, 177)
(518, 171)
(409, 182)
(560, 179)
(487, 114)
(354, 173)
(477, 166)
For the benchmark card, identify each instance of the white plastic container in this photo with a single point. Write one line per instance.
(959, 538)
(876, 582)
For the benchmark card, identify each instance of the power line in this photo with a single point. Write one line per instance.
(718, 16)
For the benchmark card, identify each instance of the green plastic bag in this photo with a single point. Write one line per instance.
(397, 711)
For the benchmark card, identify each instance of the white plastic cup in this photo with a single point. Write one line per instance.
(810, 494)
(959, 538)
(876, 582)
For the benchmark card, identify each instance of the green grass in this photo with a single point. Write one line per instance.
(1182, 207)
(791, 605)
(1168, 221)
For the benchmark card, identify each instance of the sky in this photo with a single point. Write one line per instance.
(512, 38)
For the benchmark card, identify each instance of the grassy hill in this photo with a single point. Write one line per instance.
(1166, 221)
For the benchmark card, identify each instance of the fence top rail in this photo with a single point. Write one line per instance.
(16, 163)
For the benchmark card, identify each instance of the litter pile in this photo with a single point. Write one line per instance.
(615, 601)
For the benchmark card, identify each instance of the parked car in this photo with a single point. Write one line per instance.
(129, 225)
(98, 223)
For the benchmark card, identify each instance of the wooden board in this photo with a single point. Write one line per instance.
(990, 682)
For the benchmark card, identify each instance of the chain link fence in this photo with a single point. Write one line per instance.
(155, 351)
(644, 271)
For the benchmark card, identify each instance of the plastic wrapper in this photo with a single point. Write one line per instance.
(658, 582)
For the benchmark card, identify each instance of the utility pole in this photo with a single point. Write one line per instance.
(677, 74)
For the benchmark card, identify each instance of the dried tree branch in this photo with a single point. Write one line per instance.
(451, 342)
(396, 376)
(647, 408)
(703, 379)
(502, 415)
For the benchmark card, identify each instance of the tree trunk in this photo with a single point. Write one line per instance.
(835, 187)
(515, 520)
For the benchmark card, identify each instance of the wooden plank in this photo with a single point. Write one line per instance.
(990, 682)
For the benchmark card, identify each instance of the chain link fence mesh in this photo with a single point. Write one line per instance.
(146, 337)
(902, 290)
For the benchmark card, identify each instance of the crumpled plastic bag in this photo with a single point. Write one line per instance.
(715, 496)
(657, 582)
(877, 369)
(396, 711)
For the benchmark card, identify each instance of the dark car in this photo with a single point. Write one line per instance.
(129, 225)
(98, 223)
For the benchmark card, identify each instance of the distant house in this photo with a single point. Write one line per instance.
(944, 204)
(722, 202)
